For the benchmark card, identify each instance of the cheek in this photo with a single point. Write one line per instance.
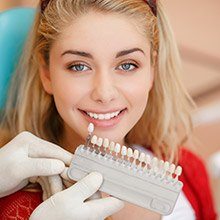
(138, 89)
(137, 94)
(67, 91)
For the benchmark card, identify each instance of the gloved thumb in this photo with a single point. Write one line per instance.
(86, 187)
(43, 167)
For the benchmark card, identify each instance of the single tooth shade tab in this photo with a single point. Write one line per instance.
(112, 146)
(124, 150)
(117, 148)
(130, 152)
(91, 127)
(154, 162)
(178, 170)
(147, 159)
(106, 143)
(99, 142)
(172, 168)
(142, 157)
(94, 139)
(161, 163)
(136, 154)
(166, 166)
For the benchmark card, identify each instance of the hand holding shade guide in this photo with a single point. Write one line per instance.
(129, 175)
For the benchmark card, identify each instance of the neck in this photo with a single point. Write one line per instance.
(71, 140)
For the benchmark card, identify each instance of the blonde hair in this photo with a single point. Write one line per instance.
(30, 108)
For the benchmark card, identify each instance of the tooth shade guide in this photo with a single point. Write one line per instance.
(134, 157)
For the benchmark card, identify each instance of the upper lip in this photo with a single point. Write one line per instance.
(103, 112)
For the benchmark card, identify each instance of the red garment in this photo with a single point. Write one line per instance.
(196, 185)
(20, 205)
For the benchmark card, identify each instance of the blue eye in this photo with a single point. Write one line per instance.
(78, 67)
(127, 66)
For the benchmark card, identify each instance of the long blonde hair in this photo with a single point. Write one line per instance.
(30, 108)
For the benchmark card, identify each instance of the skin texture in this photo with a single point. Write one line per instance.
(103, 83)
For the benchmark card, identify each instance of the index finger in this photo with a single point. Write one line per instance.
(44, 149)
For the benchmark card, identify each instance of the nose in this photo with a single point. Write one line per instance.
(104, 88)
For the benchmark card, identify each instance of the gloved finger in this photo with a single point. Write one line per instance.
(66, 180)
(96, 195)
(44, 185)
(15, 189)
(56, 184)
(33, 179)
(44, 149)
(46, 193)
(104, 207)
(67, 183)
(86, 187)
(43, 167)
(64, 174)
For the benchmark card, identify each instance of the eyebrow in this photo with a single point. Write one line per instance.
(88, 55)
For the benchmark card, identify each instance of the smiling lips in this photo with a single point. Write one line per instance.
(104, 120)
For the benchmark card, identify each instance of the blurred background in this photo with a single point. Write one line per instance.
(196, 25)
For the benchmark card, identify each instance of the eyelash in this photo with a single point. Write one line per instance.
(70, 67)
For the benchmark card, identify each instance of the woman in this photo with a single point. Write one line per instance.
(113, 63)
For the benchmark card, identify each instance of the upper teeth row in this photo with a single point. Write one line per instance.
(103, 116)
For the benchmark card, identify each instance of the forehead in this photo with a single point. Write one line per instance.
(102, 32)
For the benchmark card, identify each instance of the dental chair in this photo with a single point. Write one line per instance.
(15, 25)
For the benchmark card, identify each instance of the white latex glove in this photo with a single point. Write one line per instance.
(49, 184)
(27, 156)
(67, 182)
(70, 204)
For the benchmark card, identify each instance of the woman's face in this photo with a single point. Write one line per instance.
(99, 67)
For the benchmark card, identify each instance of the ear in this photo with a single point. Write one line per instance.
(154, 57)
(44, 72)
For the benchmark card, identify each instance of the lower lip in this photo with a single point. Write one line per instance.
(104, 123)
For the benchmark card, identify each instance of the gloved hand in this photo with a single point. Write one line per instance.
(49, 184)
(70, 203)
(27, 156)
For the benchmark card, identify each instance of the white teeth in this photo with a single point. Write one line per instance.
(106, 143)
(91, 127)
(166, 166)
(99, 142)
(107, 116)
(112, 146)
(123, 150)
(142, 157)
(172, 168)
(117, 148)
(129, 153)
(154, 164)
(136, 154)
(103, 116)
(178, 170)
(94, 139)
(147, 159)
